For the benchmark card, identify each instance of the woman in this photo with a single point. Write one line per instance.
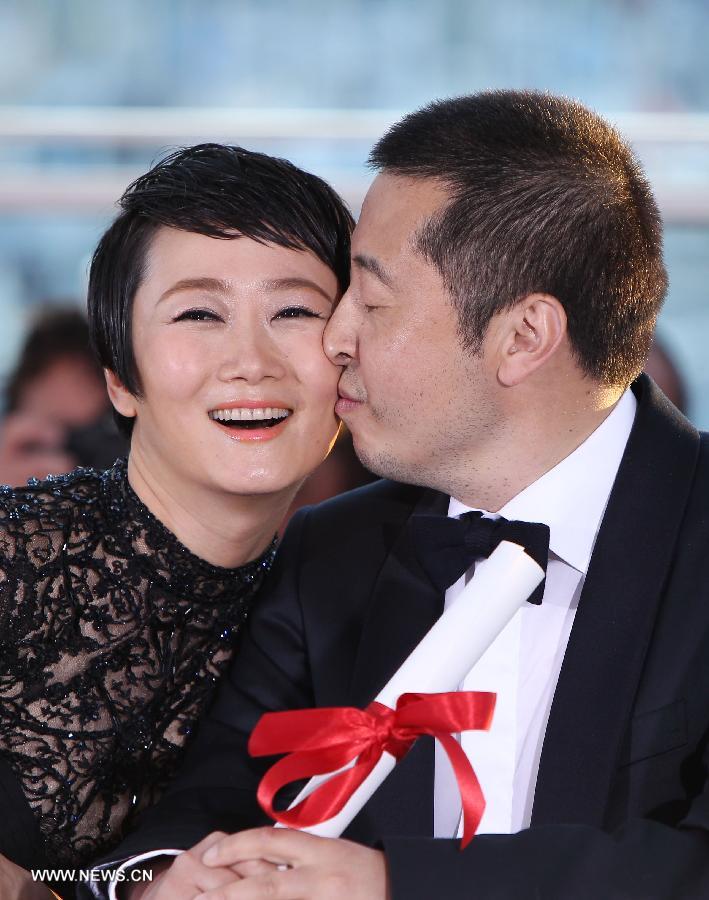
(121, 592)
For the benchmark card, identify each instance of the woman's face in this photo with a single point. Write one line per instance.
(237, 393)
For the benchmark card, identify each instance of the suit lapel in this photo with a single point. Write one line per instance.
(603, 662)
(403, 608)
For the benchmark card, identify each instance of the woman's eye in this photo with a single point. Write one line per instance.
(296, 312)
(197, 315)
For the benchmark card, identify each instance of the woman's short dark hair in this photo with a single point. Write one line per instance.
(544, 197)
(215, 190)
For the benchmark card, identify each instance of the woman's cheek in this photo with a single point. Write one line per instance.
(176, 366)
(325, 379)
(313, 368)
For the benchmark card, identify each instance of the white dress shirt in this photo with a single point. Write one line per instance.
(522, 665)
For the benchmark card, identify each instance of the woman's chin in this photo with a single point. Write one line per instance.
(263, 484)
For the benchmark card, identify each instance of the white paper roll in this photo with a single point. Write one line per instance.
(445, 655)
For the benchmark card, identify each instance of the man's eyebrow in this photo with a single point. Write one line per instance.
(371, 264)
(289, 284)
(213, 285)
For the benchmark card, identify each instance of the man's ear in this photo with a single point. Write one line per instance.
(532, 332)
(123, 401)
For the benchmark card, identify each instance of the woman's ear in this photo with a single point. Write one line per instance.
(123, 401)
(533, 331)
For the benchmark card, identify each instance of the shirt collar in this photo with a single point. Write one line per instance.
(572, 497)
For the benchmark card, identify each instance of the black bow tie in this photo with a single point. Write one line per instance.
(446, 547)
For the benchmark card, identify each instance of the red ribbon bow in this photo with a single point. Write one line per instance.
(319, 741)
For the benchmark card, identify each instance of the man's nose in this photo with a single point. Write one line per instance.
(340, 336)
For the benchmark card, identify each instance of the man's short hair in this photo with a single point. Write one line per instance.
(215, 190)
(545, 197)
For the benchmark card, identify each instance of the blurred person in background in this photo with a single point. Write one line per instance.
(57, 411)
(662, 368)
(122, 592)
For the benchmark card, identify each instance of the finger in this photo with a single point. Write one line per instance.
(292, 884)
(188, 876)
(278, 845)
(212, 838)
(254, 867)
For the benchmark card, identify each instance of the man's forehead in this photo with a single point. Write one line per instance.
(391, 194)
(394, 209)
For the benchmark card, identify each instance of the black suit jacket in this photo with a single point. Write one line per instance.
(621, 808)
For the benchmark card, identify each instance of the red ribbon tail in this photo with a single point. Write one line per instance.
(328, 799)
(471, 794)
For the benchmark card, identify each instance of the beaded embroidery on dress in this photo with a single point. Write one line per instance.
(113, 636)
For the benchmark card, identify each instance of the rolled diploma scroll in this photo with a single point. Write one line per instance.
(444, 656)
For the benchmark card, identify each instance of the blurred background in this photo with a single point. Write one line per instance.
(92, 92)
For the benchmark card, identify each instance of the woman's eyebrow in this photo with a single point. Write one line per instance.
(213, 285)
(288, 284)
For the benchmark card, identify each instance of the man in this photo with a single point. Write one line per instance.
(507, 275)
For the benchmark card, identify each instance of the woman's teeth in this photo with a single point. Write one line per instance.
(243, 416)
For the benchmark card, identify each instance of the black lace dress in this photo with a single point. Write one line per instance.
(112, 639)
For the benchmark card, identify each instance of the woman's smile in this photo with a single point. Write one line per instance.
(253, 420)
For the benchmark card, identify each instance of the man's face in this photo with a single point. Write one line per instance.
(418, 405)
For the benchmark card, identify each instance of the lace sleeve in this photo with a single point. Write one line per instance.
(31, 541)
(30, 544)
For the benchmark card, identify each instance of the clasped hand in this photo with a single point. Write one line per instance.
(273, 864)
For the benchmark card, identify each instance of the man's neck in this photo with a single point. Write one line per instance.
(536, 437)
